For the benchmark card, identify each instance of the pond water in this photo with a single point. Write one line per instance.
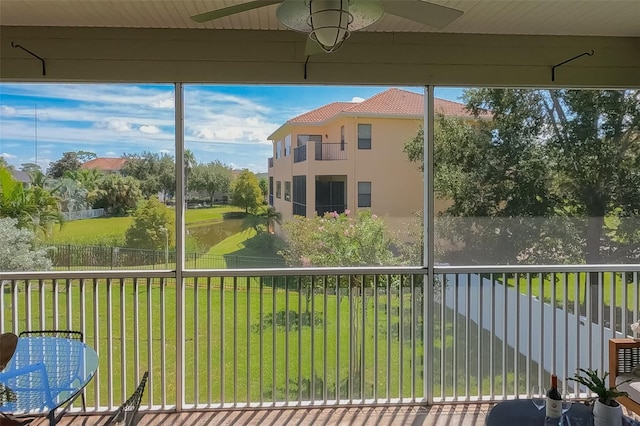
(208, 234)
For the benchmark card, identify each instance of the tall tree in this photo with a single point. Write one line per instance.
(592, 146)
(30, 167)
(85, 156)
(212, 178)
(119, 194)
(189, 164)
(264, 187)
(154, 171)
(568, 156)
(245, 191)
(68, 162)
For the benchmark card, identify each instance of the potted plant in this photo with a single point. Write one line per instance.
(606, 410)
(635, 327)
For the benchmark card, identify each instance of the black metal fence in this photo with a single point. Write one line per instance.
(71, 257)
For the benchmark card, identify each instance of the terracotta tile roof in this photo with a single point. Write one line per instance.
(104, 164)
(391, 102)
(323, 113)
(388, 103)
(455, 109)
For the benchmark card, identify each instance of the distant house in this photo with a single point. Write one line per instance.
(349, 156)
(105, 164)
(21, 176)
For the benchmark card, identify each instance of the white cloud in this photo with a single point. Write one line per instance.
(118, 125)
(205, 133)
(163, 103)
(221, 122)
(6, 110)
(357, 99)
(150, 130)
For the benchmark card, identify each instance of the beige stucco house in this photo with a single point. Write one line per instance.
(349, 156)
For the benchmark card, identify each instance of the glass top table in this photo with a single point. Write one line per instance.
(522, 412)
(46, 373)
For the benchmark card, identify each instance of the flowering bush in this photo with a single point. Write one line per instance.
(338, 239)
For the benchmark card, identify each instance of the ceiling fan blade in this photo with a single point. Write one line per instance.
(312, 47)
(431, 14)
(232, 10)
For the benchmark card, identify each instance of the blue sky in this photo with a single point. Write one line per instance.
(226, 123)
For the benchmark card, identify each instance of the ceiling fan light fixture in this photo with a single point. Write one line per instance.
(329, 21)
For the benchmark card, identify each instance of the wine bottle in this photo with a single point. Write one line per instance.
(554, 400)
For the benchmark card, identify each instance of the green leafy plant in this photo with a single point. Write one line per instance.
(598, 385)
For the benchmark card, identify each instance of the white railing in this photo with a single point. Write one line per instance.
(327, 337)
(83, 214)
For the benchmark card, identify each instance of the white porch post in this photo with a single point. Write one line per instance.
(179, 233)
(428, 223)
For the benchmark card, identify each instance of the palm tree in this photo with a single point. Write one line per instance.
(89, 179)
(34, 207)
(189, 163)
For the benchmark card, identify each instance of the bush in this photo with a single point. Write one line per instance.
(152, 227)
(18, 251)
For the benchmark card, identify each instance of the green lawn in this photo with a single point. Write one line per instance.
(567, 289)
(106, 229)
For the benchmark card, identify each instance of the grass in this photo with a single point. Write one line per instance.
(222, 328)
(106, 229)
(209, 214)
(566, 288)
(233, 244)
(228, 359)
(91, 231)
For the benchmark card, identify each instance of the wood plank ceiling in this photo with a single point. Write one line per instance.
(541, 17)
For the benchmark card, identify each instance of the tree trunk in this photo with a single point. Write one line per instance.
(592, 256)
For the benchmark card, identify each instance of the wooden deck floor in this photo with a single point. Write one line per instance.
(450, 415)
(436, 415)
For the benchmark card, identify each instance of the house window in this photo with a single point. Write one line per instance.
(271, 191)
(278, 189)
(278, 149)
(364, 136)
(287, 145)
(287, 191)
(300, 195)
(303, 139)
(364, 194)
(341, 138)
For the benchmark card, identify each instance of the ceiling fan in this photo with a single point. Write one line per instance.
(330, 22)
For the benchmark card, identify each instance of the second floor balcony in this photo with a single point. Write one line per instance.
(322, 151)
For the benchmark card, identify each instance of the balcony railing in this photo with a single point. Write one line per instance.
(330, 151)
(300, 154)
(323, 152)
(329, 336)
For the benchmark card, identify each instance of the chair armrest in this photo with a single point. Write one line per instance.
(26, 383)
(624, 354)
